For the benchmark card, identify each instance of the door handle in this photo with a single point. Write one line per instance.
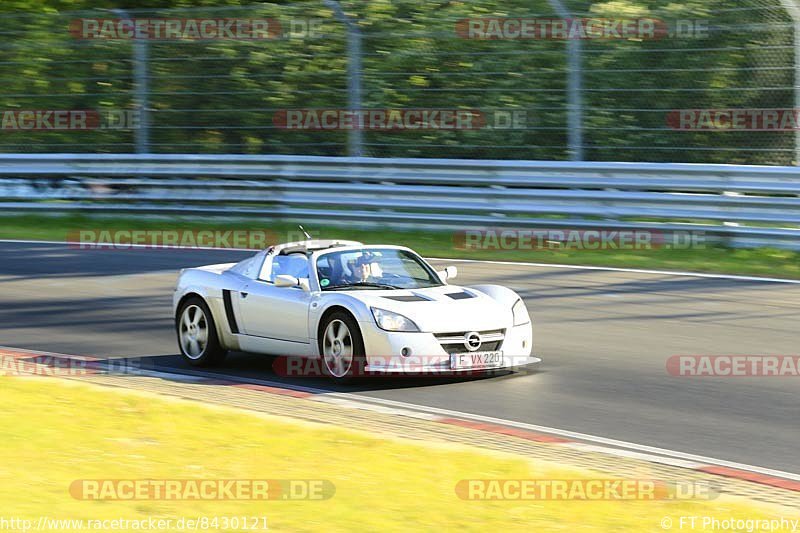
(244, 295)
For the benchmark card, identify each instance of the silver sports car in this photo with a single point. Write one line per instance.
(354, 308)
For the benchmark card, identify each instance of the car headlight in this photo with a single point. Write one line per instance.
(520, 313)
(392, 321)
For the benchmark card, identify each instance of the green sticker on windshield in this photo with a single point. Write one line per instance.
(324, 282)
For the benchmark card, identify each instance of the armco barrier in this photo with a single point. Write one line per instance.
(742, 205)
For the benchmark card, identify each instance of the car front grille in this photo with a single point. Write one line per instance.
(453, 342)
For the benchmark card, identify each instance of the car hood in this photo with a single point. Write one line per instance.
(449, 308)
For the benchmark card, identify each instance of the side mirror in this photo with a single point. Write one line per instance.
(448, 273)
(285, 280)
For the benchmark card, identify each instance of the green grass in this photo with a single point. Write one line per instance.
(755, 262)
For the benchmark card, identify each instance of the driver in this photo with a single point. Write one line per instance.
(367, 268)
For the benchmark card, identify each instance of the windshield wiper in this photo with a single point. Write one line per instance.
(359, 284)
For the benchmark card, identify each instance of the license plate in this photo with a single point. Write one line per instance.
(476, 360)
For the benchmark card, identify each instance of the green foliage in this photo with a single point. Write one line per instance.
(220, 96)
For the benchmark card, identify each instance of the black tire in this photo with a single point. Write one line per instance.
(359, 360)
(209, 352)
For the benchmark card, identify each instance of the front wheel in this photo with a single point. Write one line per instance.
(341, 347)
(197, 334)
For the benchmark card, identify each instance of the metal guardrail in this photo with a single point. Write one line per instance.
(742, 205)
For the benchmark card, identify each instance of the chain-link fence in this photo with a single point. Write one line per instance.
(699, 81)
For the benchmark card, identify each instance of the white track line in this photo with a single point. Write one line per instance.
(603, 441)
(680, 463)
(484, 261)
(599, 444)
(615, 269)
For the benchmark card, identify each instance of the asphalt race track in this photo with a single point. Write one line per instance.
(604, 336)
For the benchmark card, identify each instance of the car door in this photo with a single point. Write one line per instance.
(277, 312)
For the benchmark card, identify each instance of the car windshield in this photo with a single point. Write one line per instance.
(375, 268)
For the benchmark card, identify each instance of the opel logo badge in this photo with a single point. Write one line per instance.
(472, 341)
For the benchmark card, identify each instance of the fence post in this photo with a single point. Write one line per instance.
(355, 143)
(141, 89)
(574, 82)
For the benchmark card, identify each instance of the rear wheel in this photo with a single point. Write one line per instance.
(197, 333)
(341, 347)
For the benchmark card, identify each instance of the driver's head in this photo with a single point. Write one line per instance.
(366, 266)
(363, 271)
